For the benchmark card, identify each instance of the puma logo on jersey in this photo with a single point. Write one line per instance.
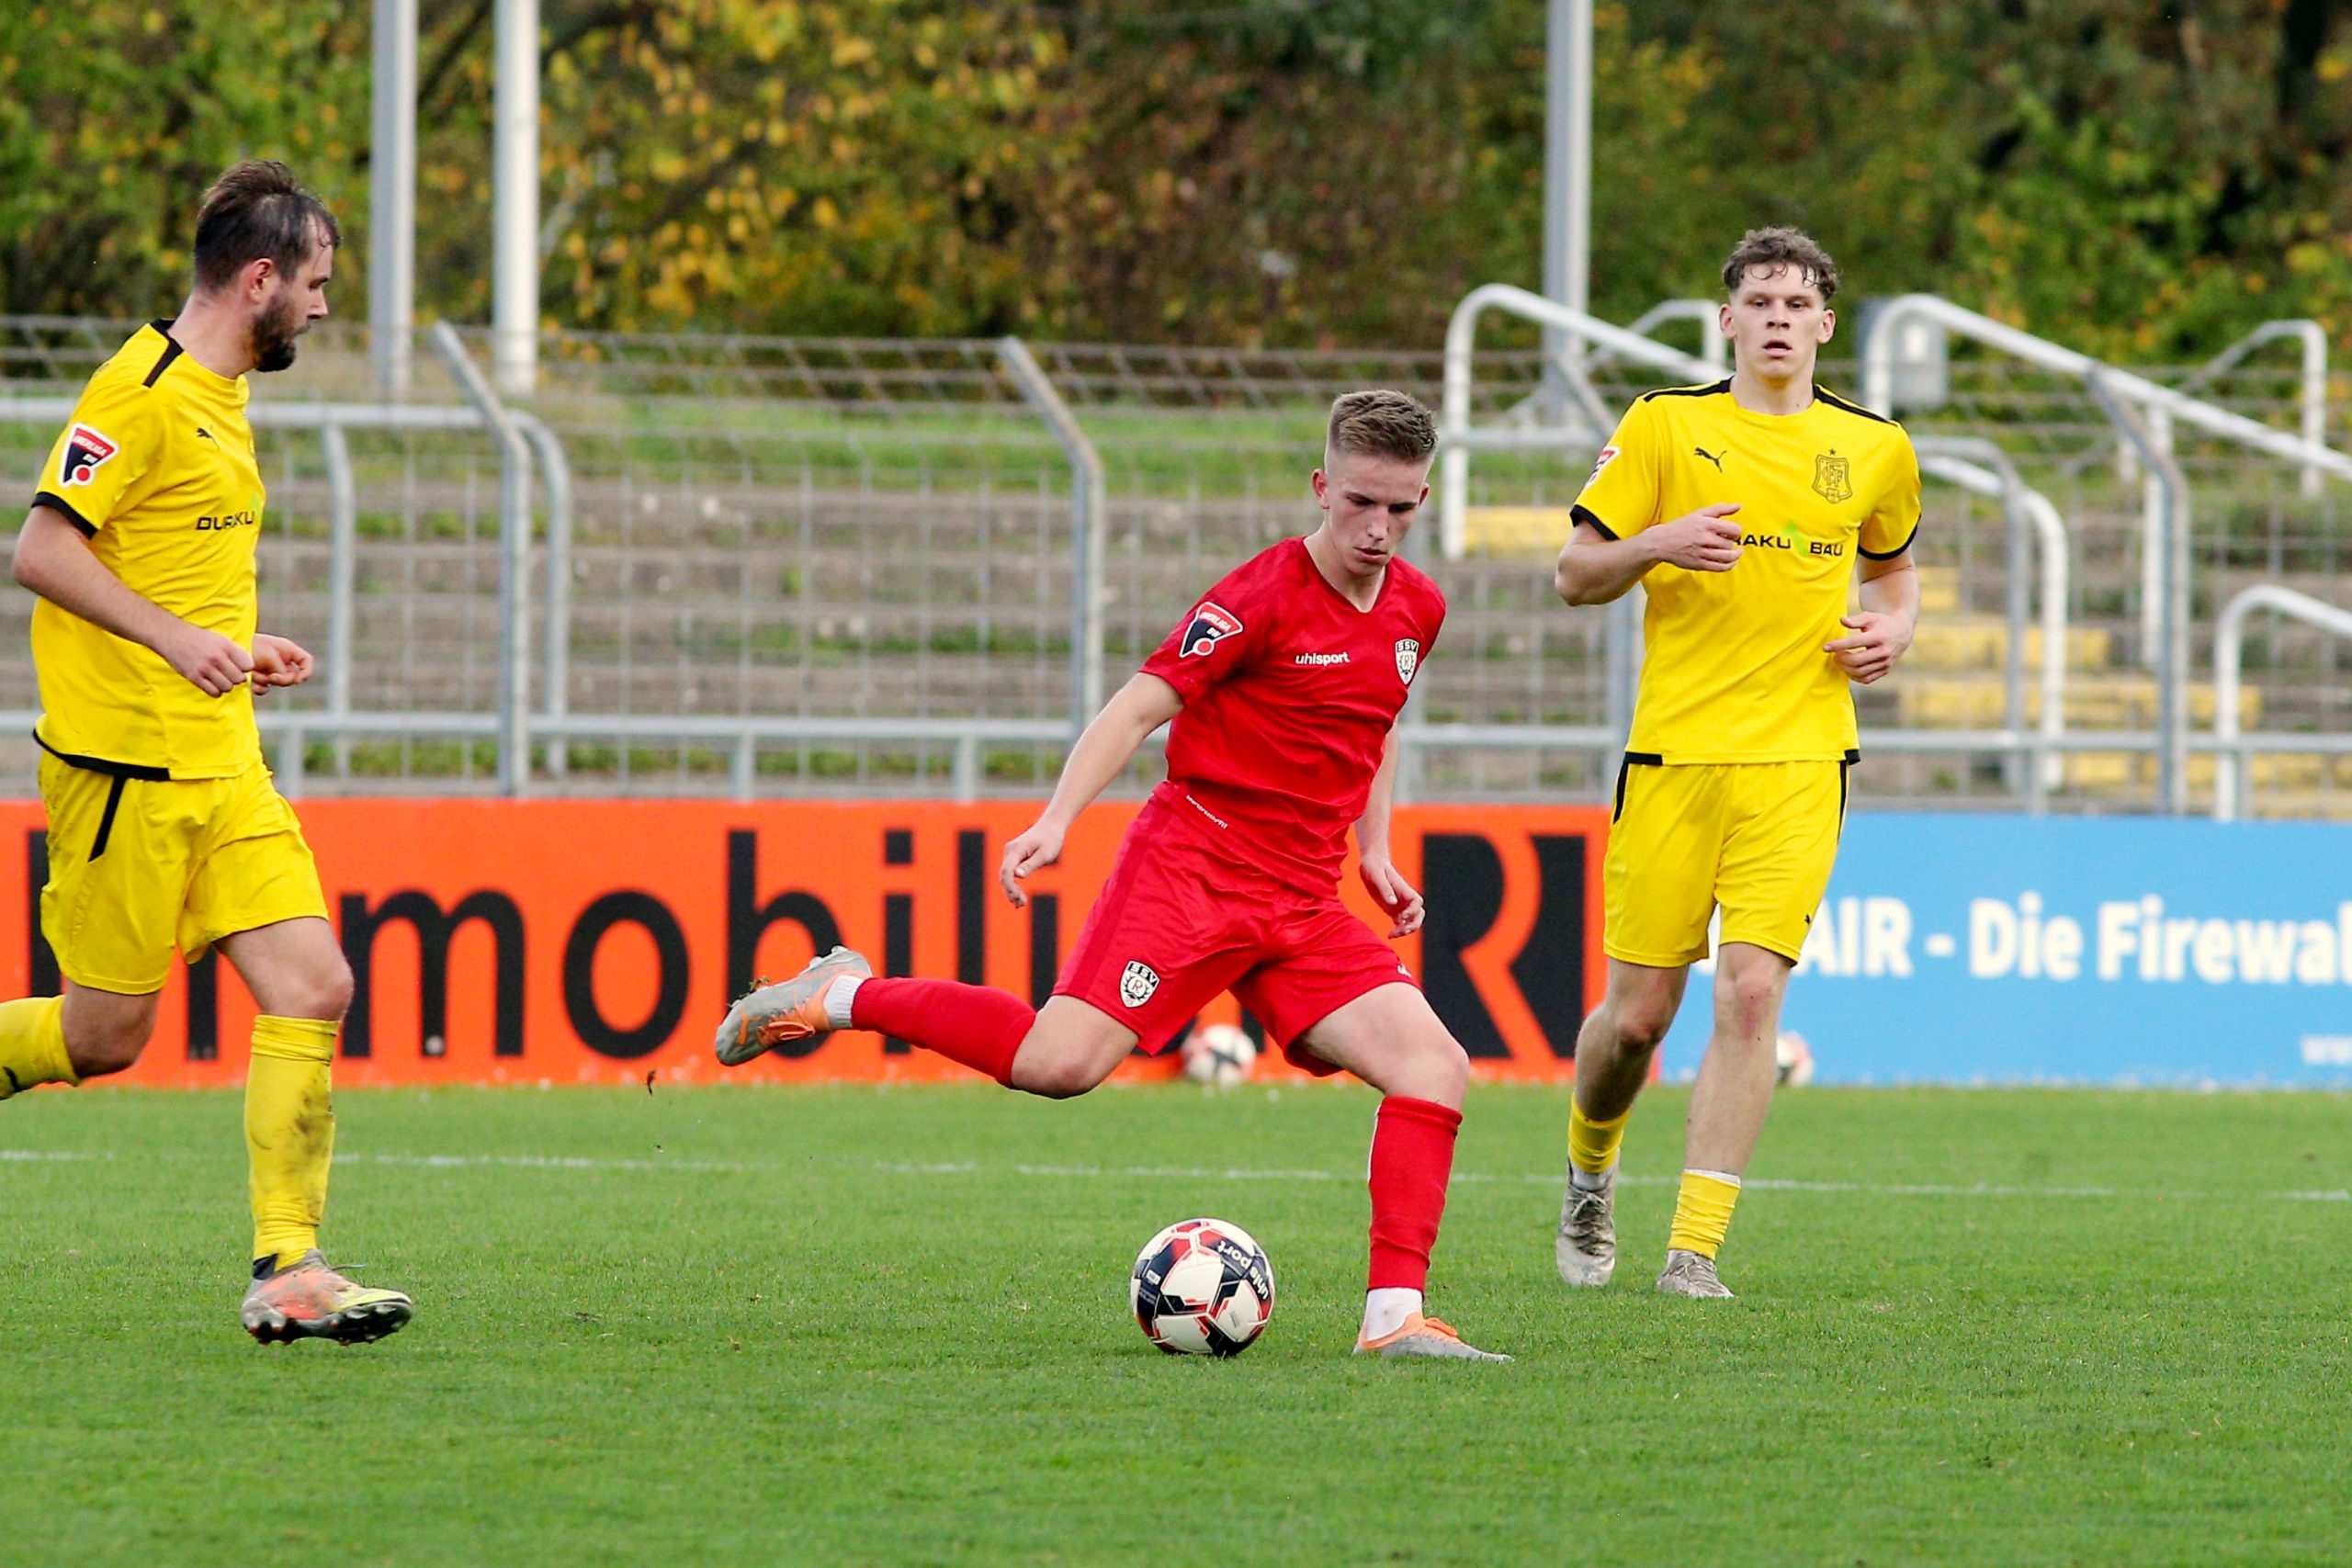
(86, 452)
(204, 435)
(1702, 452)
(1211, 624)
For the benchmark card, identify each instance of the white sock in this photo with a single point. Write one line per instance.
(1590, 1180)
(838, 996)
(1725, 1176)
(1384, 1311)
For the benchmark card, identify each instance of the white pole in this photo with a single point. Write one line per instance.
(391, 197)
(1567, 166)
(515, 199)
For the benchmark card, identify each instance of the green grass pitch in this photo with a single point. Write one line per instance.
(889, 1325)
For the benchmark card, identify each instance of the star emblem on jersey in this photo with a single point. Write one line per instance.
(86, 452)
(1211, 624)
(1832, 480)
(1137, 982)
(1409, 658)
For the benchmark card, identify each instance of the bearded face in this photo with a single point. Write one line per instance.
(285, 318)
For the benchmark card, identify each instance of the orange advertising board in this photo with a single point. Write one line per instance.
(599, 941)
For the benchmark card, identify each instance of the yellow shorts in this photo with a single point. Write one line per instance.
(1757, 838)
(138, 867)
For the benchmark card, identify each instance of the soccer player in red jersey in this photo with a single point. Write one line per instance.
(1282, 685)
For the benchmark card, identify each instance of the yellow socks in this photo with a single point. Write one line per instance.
(1703, 1211)
(289, 1132)
(32, 1044)
(1592, 1145)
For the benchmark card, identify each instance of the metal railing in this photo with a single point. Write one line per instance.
(2229, 637)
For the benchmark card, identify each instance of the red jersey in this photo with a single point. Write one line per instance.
(1289, 692)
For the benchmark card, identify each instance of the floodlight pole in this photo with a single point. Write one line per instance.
(515, 199)
(1567, 179)
(391, 197)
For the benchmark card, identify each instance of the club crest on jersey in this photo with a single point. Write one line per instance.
(86, 452)
(1137, 982)
(1409, 658)
(1211, 624)
(1831, 479)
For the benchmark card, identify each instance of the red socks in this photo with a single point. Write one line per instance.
(1412, 1160)
(973, 1025)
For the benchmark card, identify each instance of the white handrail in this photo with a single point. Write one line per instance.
(1878, 380)
(2055, 554)
(2312, 393)
(1713, 346)
(2228, 635)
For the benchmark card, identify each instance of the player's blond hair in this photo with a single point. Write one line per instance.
(1778, 247)
(1381, 424)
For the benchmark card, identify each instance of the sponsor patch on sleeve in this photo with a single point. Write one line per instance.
(1211, 624)
(1608, 456)
(87, 451)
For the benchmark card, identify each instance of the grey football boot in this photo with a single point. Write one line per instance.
(790, 1010)
(1586, 1247)
(1689, 1274)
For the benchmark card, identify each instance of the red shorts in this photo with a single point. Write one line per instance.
(1178, 922)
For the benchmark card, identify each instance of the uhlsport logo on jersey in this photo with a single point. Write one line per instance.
(1137, 982)
(86, 452)
(1409, 658)
(1211, 624)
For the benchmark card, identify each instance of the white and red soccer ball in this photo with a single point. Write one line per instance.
(1203, 1288)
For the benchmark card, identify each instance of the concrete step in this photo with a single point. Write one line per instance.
(2105, 701)
(1982, 642)
(2315, 774)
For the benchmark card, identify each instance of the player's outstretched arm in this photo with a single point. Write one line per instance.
(1142, 705)
(53, 560)
(1595, 568)
(1387, 885)
(1880, 632)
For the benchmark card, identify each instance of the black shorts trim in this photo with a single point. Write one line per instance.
(106, 766)
(1633, 760)
(1586, 515)
(105, 821)
(57, 503)
(1890, 555)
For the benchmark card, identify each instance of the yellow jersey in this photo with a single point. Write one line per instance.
(157, 469)
(1733, 670)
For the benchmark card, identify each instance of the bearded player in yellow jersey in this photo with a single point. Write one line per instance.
(164, 829)
(1745, 509)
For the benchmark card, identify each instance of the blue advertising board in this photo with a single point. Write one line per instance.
(1983, 949)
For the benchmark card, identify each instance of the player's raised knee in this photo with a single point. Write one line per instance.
(324, 990)
(107, 1044)
(1641, 1025)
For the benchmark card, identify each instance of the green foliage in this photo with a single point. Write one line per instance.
(2144, 181)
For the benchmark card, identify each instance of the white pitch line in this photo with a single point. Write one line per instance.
(1193, 1173)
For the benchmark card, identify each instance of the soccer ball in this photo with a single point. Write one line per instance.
(1795, 1058)
(1203, 1288)
(1219, 1054)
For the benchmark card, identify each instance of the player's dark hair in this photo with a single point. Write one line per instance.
(258, 210)
(1777, 248)
(1382, 424)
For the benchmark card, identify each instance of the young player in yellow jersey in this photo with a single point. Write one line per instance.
(1745, 509)
(164, 830)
